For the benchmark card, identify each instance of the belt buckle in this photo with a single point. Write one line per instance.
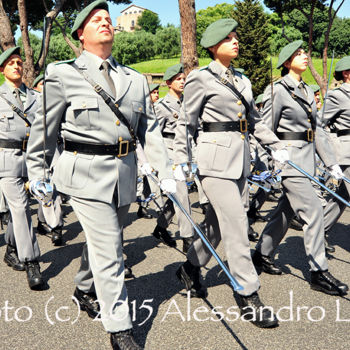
(24, 145)
(98, 88)
(310, 135)
(121, 153)
(243, 125)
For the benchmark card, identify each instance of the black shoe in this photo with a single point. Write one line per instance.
(127, 272)
(88, 303)
(164, 236)
(296, 224)
(329, 248)
(143, 213)
(124, 341)
(42, 228)
(187, 242)
(323, 281)
(189, 275)
(265, 263)
(252, 235)
(34, 278)
(56, 237)
(11, 259)
(204, 208)
(256, 312)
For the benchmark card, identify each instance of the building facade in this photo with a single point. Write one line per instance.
(127, 21)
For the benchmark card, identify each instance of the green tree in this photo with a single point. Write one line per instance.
(208, 16)
(148, 21)
(168, 42)
(254, 45)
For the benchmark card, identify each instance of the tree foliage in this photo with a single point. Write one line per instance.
(168, 42)
(253, 34)
(148, 21)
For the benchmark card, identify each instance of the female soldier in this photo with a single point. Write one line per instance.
(222, 98)
(337, 115)
(292, 115)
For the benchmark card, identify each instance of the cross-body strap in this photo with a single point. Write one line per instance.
(114, 107)
(20, 113)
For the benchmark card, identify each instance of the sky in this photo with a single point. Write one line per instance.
(168, 10)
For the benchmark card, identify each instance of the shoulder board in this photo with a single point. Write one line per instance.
(132, 69)
(67, 61)
(203, 68)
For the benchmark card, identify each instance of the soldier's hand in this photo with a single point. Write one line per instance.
(42, 190)
(280, 156)
(336, 172)
(168, 186)
(146, 169)
(179, 173)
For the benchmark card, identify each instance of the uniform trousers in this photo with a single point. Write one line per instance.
(226, 219)
(19, 232)
(299, 197)
(334, 208)
(52, 215)
(102, 263)
(168, 212)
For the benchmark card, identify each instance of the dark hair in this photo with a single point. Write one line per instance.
(338, 75)
(284, 71)
(211, 55)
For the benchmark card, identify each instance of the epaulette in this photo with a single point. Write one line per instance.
(67, 61)
(132, 69)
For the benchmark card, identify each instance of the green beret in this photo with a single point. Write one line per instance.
(173, 70)
(153, 87)
(287, 52)
(314, 88)
(98, 4)
(341, 65)
(218, 31)
(16, 50)
(259, 99)
(38, 79)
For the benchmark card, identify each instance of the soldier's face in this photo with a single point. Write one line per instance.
(155, 95)
(97, 29)
(226, 49)
(177, 83)
(298, 62)
(346, 76)
(39, 87)
(13, 68)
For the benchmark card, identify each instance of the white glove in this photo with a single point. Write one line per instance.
(168, 186)
(336, 172)
(146, 169)
(42, 191)
(179, 173)
(280, 156)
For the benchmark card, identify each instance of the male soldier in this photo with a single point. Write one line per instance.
(337, 115)
(17, 106)
(39, 83)
(167, 111)
(100, 107)
(316, 89)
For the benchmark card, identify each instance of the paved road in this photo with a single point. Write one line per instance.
(164, 318)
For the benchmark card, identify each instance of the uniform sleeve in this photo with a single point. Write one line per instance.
(55, 108)
(331, 109)
(160, 115)
(151, 139)
(191, 109)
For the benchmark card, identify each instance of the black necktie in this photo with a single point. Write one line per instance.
(105, 72)
(18, 98)
(302, 90)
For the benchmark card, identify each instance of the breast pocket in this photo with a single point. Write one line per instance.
(137, 110)
(85, 113)
(7, 121)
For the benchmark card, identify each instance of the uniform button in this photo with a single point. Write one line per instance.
(310, 110)
(27, 134)
(214, 141)
(84, 105)
(27, 125)
(117, 122)
(120, 139)
(239, 102)
(239, 115)
(25, 114)
(75, 153)
(140, 109)
(242, 137)
(309, 120)
(117, 105)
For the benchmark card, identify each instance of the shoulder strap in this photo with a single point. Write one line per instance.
(297, 99)
(98, 88)
(18, 111)
(230, 86)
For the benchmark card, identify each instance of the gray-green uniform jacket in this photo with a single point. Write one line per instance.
(14, 128)
(84, 117)
(337, 113)
(219, 154)
(288, 116)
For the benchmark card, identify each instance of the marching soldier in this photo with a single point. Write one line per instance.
(337, 115)
(292, 114)
(17, 106)
(222, 99)
(167, 111)
(101, 107)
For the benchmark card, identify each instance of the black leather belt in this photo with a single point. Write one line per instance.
(121, 149)
(308, 135)
(343, 132)
(168, 135)
(22, 145)
(241, 126)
